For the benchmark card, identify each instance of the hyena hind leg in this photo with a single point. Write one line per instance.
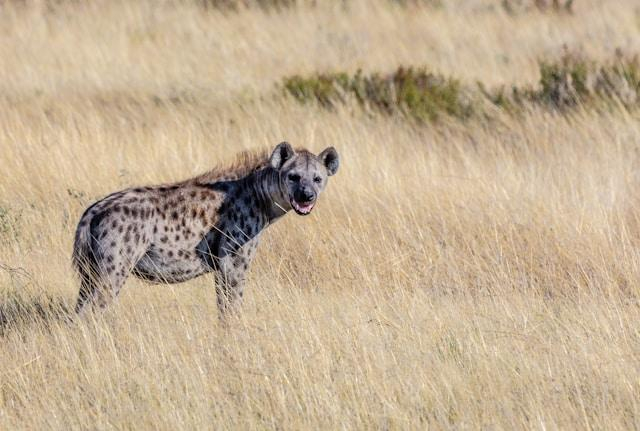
(100, 284)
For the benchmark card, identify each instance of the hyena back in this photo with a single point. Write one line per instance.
(211, 223)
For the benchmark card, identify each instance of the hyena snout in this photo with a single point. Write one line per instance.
(304, 195)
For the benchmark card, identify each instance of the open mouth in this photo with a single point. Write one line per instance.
(302, 209)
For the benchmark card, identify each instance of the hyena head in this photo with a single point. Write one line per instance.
(302, 175)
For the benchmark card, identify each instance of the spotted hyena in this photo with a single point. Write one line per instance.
(211, 223)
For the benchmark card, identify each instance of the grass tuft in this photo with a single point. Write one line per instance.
(18, 312)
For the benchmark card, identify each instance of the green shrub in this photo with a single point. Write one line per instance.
(326, 89)
(564, 83)
(416, 93)
(421, 95)
(573, 80)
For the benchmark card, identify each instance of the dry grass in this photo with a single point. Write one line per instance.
(454, 276)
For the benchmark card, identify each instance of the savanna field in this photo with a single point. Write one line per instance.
(474, 264)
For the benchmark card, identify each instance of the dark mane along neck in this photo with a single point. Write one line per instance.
(263, 188)
(257, 193)
(244, 164)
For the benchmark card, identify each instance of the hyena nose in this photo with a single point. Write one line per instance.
(305, 196)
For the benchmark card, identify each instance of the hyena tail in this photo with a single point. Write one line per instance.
(84, 257)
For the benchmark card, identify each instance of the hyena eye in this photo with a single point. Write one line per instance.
(317, 180)
(294, 177)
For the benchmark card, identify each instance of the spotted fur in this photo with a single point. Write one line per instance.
(211, 223)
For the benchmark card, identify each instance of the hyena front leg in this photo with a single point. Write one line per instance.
(230, 277)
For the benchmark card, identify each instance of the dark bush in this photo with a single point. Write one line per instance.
(574, 80)
(415, 92)
(419, 94)
(564, 82)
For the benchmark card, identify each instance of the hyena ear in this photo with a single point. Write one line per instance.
(281, 154)
(330, 159)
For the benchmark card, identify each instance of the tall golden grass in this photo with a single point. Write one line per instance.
(458, 275)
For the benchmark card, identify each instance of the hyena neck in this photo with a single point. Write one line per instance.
(264, 186)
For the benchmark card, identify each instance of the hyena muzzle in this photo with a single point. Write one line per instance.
(211, 223)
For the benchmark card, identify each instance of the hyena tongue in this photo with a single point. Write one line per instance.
(305, 209)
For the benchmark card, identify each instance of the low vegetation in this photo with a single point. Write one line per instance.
(574, 80)
(520, 6)
(415, 92)
(509, 6)
(419, 94)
